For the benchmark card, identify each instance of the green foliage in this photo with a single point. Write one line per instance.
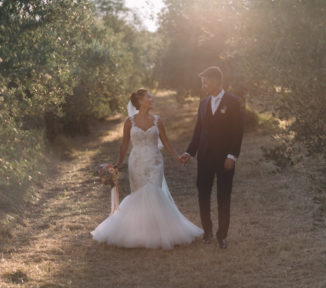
(272, 52)
(195, 35)
(262, 122)
(61, 63)
(251, 119)
(287, 38)
(281, 155)
(39, 48)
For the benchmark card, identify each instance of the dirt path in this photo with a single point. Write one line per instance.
(272, 239)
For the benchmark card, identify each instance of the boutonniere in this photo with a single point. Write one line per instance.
(223, 110)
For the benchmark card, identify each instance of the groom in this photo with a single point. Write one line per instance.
(216, 140)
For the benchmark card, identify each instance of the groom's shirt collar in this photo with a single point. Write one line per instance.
(220, 95)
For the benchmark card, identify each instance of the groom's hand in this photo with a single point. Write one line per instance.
(185, 158)
(229, 164)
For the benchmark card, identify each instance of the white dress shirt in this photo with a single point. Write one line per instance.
(215, 102)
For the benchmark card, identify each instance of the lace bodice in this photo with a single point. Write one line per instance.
(145, 159)
(142, 139)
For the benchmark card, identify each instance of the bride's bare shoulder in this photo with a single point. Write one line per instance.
(128, 121)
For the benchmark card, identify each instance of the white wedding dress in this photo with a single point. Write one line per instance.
(148, 216)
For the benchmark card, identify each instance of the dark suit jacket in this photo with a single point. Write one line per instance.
(214, 141)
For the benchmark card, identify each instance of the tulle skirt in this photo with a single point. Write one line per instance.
(146, 218)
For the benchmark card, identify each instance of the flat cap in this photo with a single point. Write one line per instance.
(212, 71)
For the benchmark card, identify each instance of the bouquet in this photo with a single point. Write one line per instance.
(109, 176)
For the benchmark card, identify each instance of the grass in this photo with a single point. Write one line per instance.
(260, 122)
(273, 241)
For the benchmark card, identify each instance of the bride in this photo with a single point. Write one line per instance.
(148, 216)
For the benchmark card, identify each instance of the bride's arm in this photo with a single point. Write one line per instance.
(166, 142)
(125, 142)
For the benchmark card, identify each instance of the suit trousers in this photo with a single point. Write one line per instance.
(206, 171)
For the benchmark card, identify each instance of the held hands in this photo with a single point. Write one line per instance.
(228, 163)
(184, 158)
(179, 159)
